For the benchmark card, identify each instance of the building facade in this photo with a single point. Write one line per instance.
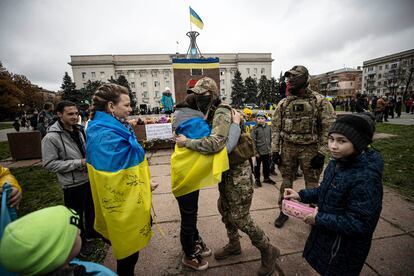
(341, 83)
(148, 75)
(389, 75)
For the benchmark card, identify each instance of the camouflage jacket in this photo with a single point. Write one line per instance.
(219, 133)
(303, 120)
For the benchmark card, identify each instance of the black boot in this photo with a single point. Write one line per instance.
(258, 183)
(280, 221)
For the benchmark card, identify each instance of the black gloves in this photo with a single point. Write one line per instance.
(276, 158)
(317, 161)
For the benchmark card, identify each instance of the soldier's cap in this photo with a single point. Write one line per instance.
(204, 85)
(297, 70)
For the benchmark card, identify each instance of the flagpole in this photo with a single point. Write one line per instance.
(191, 27)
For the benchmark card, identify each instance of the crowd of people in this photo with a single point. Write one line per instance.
(107, 189)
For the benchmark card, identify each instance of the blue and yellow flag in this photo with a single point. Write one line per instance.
(195, 19)
(120, 182)
(191, 170)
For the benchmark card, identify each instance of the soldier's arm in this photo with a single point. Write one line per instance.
(326, 118)
(218, 137)
(276, 128)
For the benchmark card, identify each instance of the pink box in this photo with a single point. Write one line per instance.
(296, 209)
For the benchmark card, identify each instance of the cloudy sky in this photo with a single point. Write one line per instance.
(37, 37)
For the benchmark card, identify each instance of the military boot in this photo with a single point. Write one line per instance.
(280, 221)
(232, 248)
(269, 256)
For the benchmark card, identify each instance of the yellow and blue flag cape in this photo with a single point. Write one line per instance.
(120, 182)
(191, 170)
(194, 18)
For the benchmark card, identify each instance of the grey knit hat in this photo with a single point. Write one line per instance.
(358, 128)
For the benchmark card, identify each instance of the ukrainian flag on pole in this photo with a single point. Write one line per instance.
(195, 19)
(120, 183)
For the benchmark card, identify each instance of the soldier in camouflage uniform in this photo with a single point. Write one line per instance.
(300, 127)
(236, 188)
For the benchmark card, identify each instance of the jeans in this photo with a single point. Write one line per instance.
(79, 198)
(265, 159)
(188, 209)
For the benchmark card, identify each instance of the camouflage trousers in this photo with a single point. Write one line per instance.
(236, 194)
(293, 155)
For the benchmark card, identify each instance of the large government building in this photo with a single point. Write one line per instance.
(149, 74)
(389, 74)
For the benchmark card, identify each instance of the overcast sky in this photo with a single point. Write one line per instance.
(37, 37)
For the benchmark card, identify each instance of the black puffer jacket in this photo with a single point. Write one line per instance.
(350, 202)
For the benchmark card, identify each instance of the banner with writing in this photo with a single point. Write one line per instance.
(158, 131)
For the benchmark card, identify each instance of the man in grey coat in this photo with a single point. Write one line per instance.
(63, 152)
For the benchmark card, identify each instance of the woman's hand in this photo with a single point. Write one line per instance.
(180, 140)
(311, 218)
(15, 197)
(154, 185)
(291, 194)
(236, 116)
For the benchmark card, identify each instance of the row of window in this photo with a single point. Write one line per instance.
(390, 66)
(154, 73)
(262, 71)
(93, 74)
(131, 75)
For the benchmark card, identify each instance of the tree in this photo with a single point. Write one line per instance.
(263, 88)
(237, 90)
(69, 90)
(274, 91)
(251, 90)
(16, 90)
(88, 91)
(124, 82)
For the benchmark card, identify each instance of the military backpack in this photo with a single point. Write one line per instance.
(244, 149)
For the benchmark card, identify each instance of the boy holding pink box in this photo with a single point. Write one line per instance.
(349, 200)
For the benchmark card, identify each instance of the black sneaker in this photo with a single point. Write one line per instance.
(202, 249)
(274, 173)
(269, 181)
(280, 221)
(258, 183)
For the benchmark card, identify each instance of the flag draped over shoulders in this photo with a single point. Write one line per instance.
(120, 183)
(191, 170)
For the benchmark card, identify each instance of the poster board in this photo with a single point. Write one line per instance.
(158, 131)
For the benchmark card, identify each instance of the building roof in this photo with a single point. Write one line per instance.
(338, 71)
(162, 59)
(391, 57)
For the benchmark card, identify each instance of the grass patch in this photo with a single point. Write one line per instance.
(5, 125)
(4, 150)
(398, 154)
(41, 189)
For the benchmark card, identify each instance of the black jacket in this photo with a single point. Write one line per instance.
(350, 202)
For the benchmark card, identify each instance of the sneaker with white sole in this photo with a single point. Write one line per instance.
(195, 261)
(202, 248)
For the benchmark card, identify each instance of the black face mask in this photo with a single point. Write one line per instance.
(203, 102)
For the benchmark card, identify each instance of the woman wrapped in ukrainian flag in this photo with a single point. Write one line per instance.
(119, 177)
(191, 171)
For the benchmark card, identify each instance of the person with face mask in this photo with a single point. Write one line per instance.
(236, 188)
(300, 127)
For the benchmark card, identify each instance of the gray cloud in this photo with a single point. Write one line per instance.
(39, 36)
